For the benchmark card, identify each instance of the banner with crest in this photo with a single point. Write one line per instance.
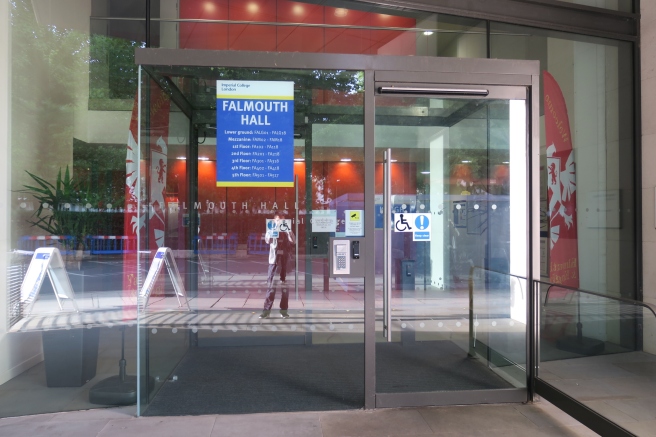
(561, 188)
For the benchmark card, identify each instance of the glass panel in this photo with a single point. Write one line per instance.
(497, 323)
(331, 27)
(67, 188)
(116, 29)
(458, 167)
(154, 215)
(614, 5)
(591, 73)
(264, 307)
(587, 352)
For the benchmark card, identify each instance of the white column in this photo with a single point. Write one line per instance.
(440, 222)
(17, 353)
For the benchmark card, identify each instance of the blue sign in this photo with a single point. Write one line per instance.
(42, 256)
(422, 222)
(254, 133)
(421, 236)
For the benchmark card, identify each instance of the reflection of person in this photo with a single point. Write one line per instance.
(279, 251)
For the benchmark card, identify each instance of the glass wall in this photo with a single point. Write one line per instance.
(328, 27)
(595, 77)
(592, 183)
(613, 5)
(77, 176)
(266, 319)
(73, 85)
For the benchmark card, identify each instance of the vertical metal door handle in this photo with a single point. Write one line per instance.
(387, 268)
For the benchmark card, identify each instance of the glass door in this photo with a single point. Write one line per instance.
(451, 244)
(410, 219)
(263, 167)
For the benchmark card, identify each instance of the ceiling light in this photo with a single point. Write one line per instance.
(252, 7)
(182, 157)
(425, 172)
(203, 158)
(465, 161)
(394, 160)
(298, 9)
(428, 32)
(340, 12)
(299, 159)
(209, 7)
(345, 159)
(506, 162)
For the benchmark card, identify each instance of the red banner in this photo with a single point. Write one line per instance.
(153, 209)
(561, 184)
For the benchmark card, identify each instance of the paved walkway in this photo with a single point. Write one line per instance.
(508, 420)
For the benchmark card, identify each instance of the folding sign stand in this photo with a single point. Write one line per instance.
(46, 260)
(163, 254)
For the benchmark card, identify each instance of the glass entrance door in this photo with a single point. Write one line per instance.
(451, 233)
(405, 281)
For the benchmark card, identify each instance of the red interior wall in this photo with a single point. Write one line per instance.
(216, 36)
(213, 36)
(331, 180)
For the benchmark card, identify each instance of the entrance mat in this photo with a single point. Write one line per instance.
(240, 380)
(431, 366)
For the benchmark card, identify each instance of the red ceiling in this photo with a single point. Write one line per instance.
(289, 38)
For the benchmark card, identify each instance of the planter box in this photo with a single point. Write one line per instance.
(70, 356)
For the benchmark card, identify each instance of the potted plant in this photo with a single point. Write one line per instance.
(70, 207)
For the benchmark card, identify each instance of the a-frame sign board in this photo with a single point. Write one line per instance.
(166, 255)
(46, 261)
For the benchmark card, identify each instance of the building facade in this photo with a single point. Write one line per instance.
(474, 169)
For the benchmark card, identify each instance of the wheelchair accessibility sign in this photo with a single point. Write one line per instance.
(418, 224)
(274, 227)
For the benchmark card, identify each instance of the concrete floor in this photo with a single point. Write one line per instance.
(507, 420)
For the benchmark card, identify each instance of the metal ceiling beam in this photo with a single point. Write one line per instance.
(546, 14)
(171, 89)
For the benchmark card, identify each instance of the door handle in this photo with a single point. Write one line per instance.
(434, 91)
(387, 244)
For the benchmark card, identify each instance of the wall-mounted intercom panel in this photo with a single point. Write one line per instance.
(346, 257)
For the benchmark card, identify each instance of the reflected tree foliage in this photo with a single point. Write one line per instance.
(56, 72)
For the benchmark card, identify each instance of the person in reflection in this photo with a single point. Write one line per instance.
(279, 251)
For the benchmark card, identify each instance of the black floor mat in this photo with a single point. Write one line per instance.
(235, 380)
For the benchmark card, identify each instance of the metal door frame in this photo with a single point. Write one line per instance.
(397, 84)
(458, 72)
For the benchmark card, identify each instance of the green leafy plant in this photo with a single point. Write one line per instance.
(69, 207)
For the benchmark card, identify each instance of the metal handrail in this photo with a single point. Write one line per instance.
(647, 305)
(471, 276)
(543, 388)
